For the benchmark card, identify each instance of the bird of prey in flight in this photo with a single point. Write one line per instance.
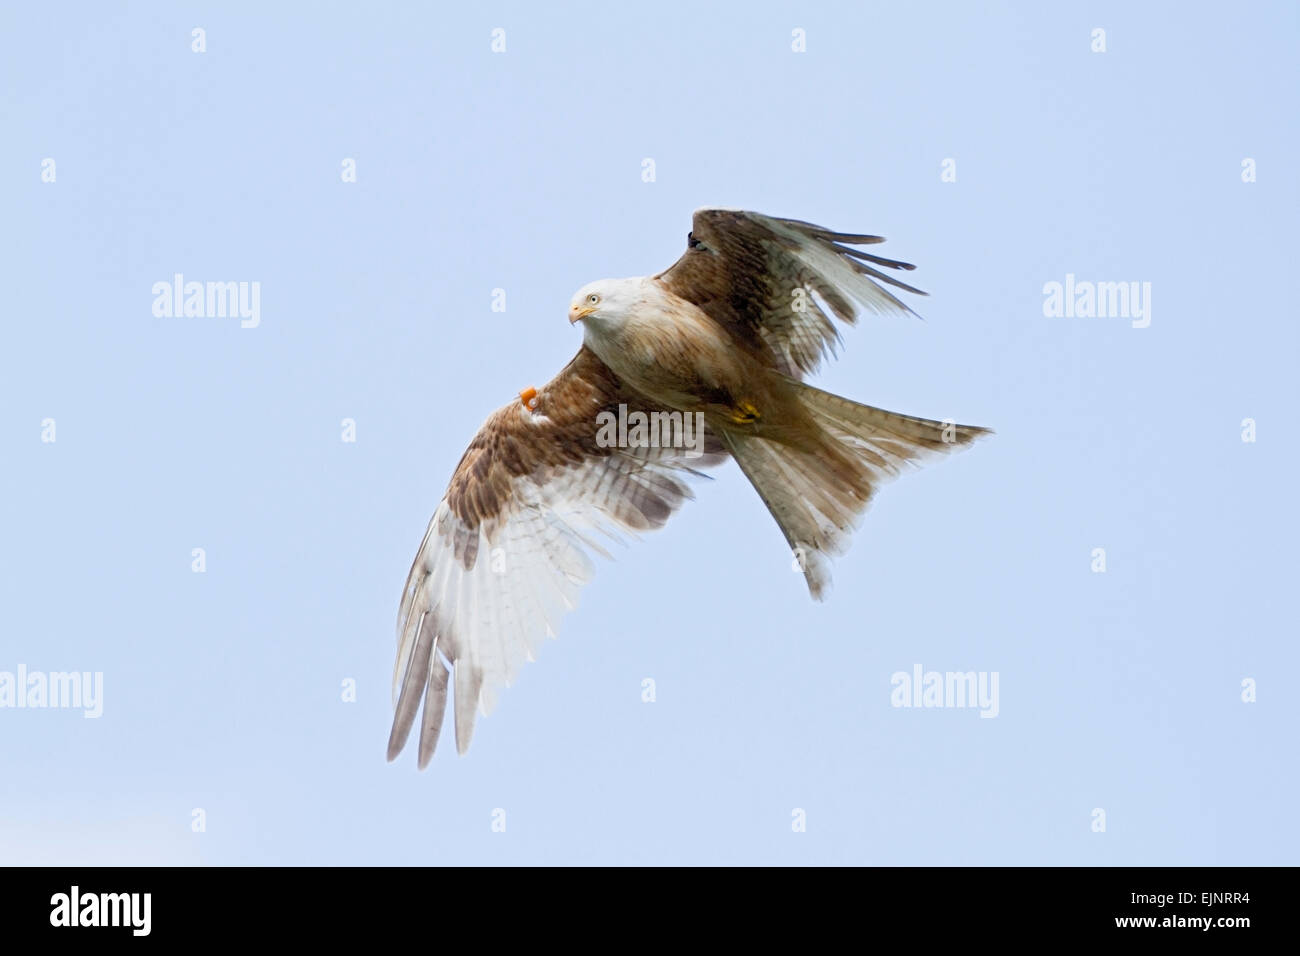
(724, 339)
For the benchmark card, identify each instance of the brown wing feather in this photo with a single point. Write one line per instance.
(744, 269)
(561, 429)
(528, 490)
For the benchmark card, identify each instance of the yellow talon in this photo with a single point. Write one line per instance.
(745, 412)
(528, 397)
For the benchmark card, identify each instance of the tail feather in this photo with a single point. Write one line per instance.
(819, 490)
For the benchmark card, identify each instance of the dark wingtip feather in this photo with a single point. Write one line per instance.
(435, 706)
(408, 702)
(878, 260)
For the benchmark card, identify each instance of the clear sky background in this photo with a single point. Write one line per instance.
(522, 170)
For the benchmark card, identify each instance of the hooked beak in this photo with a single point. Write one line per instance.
(579, 312)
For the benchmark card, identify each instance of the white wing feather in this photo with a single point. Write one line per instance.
(485, 621)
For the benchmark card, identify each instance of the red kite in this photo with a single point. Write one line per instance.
(714, 350)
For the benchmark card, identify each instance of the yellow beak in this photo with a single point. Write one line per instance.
(579, 312)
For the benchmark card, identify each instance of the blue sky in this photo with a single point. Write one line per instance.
(1120, 691)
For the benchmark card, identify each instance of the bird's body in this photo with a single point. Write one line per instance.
(669, 350)
(662, 346)
(725, 335)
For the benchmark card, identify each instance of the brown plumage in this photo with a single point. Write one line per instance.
(722, 341)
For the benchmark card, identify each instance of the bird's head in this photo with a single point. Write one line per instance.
(605, 304)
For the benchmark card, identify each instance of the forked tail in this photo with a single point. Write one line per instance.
(819, 493)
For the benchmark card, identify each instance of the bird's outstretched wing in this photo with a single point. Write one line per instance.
(771, 282)
(506, 551)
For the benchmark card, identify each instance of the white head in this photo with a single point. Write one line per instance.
(604, 305)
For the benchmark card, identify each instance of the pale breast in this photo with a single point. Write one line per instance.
(672, 351)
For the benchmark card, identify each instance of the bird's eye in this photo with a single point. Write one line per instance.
(593, 298)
